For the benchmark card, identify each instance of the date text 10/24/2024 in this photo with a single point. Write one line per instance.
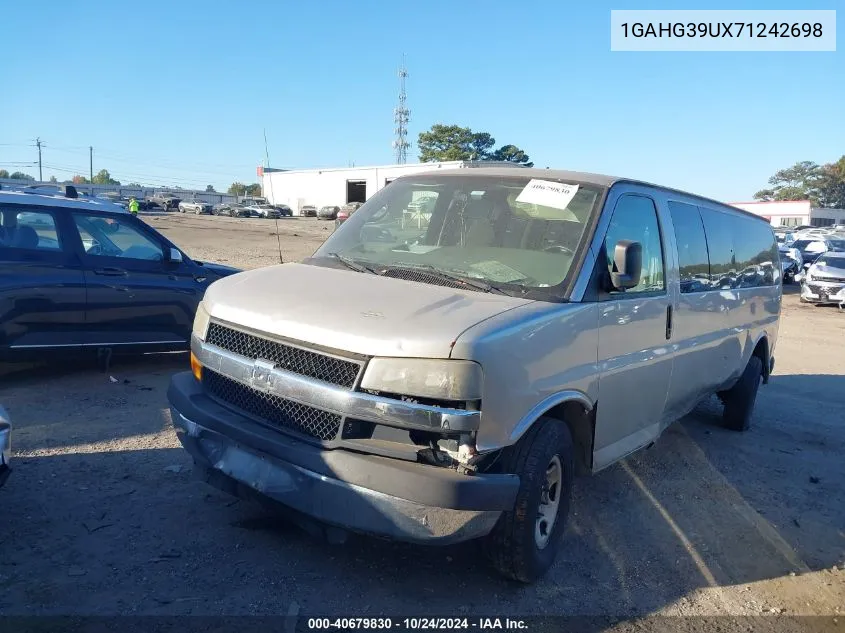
(417, 624)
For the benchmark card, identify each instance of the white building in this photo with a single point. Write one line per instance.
(337, 186)
(793, 213)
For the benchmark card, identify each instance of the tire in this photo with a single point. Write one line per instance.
(516, 546)
(739, 400)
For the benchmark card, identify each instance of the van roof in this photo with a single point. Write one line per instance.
(599, 180)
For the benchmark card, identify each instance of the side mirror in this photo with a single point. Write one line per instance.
(175, 256)
(627, 265)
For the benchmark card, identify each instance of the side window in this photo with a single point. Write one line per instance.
(756, 254)
(29, 230)
(720, 243)
(110, 237)
(693, 259)
(635, 218)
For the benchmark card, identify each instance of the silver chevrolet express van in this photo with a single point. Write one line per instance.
(444, 376)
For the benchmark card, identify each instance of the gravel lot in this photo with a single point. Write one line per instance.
(101, 514)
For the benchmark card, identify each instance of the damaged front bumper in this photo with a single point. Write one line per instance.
(818, 291)
(365, 493)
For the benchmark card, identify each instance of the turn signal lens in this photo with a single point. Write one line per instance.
(196, 368)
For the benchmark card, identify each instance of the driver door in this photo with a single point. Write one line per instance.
(136, 296)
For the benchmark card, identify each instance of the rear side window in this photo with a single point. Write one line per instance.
(743, 251)
(719, 228)
(693, 259)
(756, 253)
(28, 230)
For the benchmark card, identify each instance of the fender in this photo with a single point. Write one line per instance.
(568, 395)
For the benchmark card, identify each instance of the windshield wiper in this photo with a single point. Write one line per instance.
(468, 281)
(352, 264)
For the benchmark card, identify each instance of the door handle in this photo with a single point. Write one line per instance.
(668, 322)
(110, 272)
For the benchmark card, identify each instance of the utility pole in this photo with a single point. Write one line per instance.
(38, 145)
(91, 162)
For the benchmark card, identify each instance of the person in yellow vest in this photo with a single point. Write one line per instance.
(133, 206)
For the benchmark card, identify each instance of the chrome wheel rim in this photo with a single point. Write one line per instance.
(549, 503)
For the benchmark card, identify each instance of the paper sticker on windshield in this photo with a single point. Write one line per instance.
(556, 195)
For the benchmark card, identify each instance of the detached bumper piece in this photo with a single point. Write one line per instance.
(364, 493)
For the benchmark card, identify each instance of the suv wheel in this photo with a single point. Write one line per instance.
(739, 400)
(525, 541)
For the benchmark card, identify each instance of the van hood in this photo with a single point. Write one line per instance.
(351, 311)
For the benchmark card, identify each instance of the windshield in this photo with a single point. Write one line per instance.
(497, 230)
(832, 260)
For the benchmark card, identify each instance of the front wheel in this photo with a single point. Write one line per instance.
(525, 541)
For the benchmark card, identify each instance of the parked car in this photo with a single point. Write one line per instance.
(813, 246)
(253, 200)
(469, 369)
(5, 445)
(165, 201)
(83, 274)
(824, 281)
(309, 211)
(792, 264)
(345, 211)
(284, 210)
(221, 208)
(328, 212)
(195, 206)
(262, 211)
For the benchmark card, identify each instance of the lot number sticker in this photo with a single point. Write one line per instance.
(556, 195)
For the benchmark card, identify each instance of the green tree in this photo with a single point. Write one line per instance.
(19, 175)
(452, 142)
(237, 189)
(832, 185)
(209, 189)
(253, 189)
(4, 173)
(103, 177)
(54, 179)
(512, 154)
(799, 182)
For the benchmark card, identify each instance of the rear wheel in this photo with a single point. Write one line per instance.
(739, 400)
(525, 541)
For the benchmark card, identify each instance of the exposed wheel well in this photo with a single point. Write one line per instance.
(581, 425)
(762, 352)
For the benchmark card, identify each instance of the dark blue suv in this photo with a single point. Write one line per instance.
(81, 273)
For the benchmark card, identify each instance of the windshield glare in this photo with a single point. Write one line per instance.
(479, 227)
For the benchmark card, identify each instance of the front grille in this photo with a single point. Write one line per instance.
(832, 280)
(299, 361)
(425, 278)
(273, 410)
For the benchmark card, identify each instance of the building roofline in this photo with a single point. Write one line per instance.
(433, 166)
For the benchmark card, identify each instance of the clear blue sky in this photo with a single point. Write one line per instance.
(178, 92)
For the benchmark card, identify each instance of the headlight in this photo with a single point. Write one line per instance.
(201, 320)
(426, 378)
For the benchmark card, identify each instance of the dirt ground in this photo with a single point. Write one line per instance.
(102, 516)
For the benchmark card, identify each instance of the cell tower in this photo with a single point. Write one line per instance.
(401, 116)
